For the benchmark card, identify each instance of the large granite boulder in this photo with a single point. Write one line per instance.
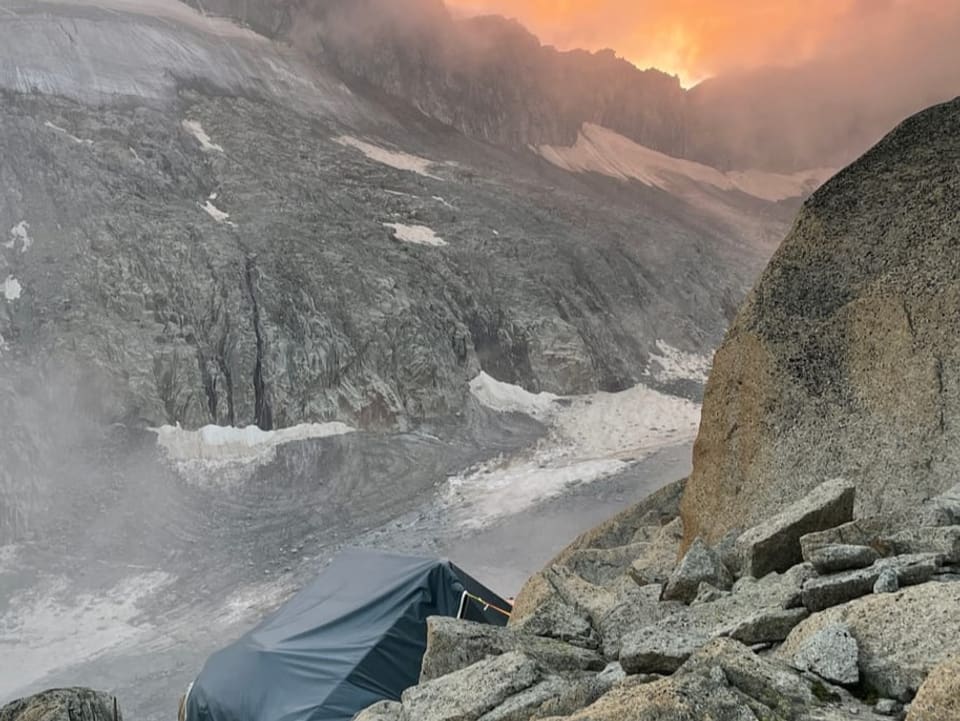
(902, 636)
(844, 356)
(939, 697)
(64, 704)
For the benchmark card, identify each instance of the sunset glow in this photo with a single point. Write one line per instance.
(695, 39)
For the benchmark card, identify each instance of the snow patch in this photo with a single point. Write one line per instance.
(196, 130)
(252, 603)
(218, 215)
(600, 150)
(20, 233)
(417, 234)
(442, 201)
(589, 437)
(673, 364)
(391, 158)
(229, 444)
(67, 133)
(507, 398)
(51, 628)
(11, 288)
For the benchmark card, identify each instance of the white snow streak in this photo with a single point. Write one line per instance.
(417, 234)
(196, 130)
(217, 214)
(600, 150)
(67, 133)
(11, 288)
(391, 158)
(225, 443)
(20, 233)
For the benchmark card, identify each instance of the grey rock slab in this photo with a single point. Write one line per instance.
(468, 694)
(774, 545)
(825, 591)
(453, 644)
(832, 654)
(382, 711)
(887, 706)
(658, 650)
(522, 706)
(943, 510)
(699, 565)
(64, 704)
(941, 540)
(842, 557)
(902, 636)
(769, 626)
(708, 593)
(859, 532)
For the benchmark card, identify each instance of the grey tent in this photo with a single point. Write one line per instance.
(353, 637)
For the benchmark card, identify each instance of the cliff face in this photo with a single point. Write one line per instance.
(844, 359)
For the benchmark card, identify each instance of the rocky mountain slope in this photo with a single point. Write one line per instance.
(203, 226)
(844, 360)
(492, 79)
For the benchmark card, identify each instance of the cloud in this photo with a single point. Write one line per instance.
(701, 38)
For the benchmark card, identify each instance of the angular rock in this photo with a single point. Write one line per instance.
(699, 565)
(831, 653)
(887, 582)
(542, 609)
(468, 694)
(941, 540)
(636, 607)
(382, 711)
(834, 558)
(859, 532)
(660, 558)
(902, 636)
(707, 593)
(453, 645)
(769, 626)
(887, 707)
(943, 510)
(657, 650)
(603, 565)
(826, 591)
(939, 697)
(64, 704)
(774, 545)
(524, 704)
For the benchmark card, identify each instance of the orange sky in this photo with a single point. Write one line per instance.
(699, 38)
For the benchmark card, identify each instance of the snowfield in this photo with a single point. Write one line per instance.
(196, 130)
(599, 150)
(227, 444)
(590, 437)
(11, 288)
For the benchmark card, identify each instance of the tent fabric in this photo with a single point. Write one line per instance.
(354, 636)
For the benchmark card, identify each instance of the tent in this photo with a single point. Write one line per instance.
(353, 637)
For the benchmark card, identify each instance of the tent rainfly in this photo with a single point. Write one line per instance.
(353, 637)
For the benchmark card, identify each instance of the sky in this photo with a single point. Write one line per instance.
(696, 39)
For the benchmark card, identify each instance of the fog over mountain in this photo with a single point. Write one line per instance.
(278, 277)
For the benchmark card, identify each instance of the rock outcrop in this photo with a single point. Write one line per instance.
(844, 357)
(939, 697)
(64, 704)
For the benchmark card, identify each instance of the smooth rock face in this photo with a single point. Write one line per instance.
(944, 510)
(835, 558)
(902, 636)
(453, 645)
(774, 545)
(699, 565)
(66, 704)
(841, 356)
(657, 650)
(825, 591)
(939, 697)
(832, 654)
(468, 694)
